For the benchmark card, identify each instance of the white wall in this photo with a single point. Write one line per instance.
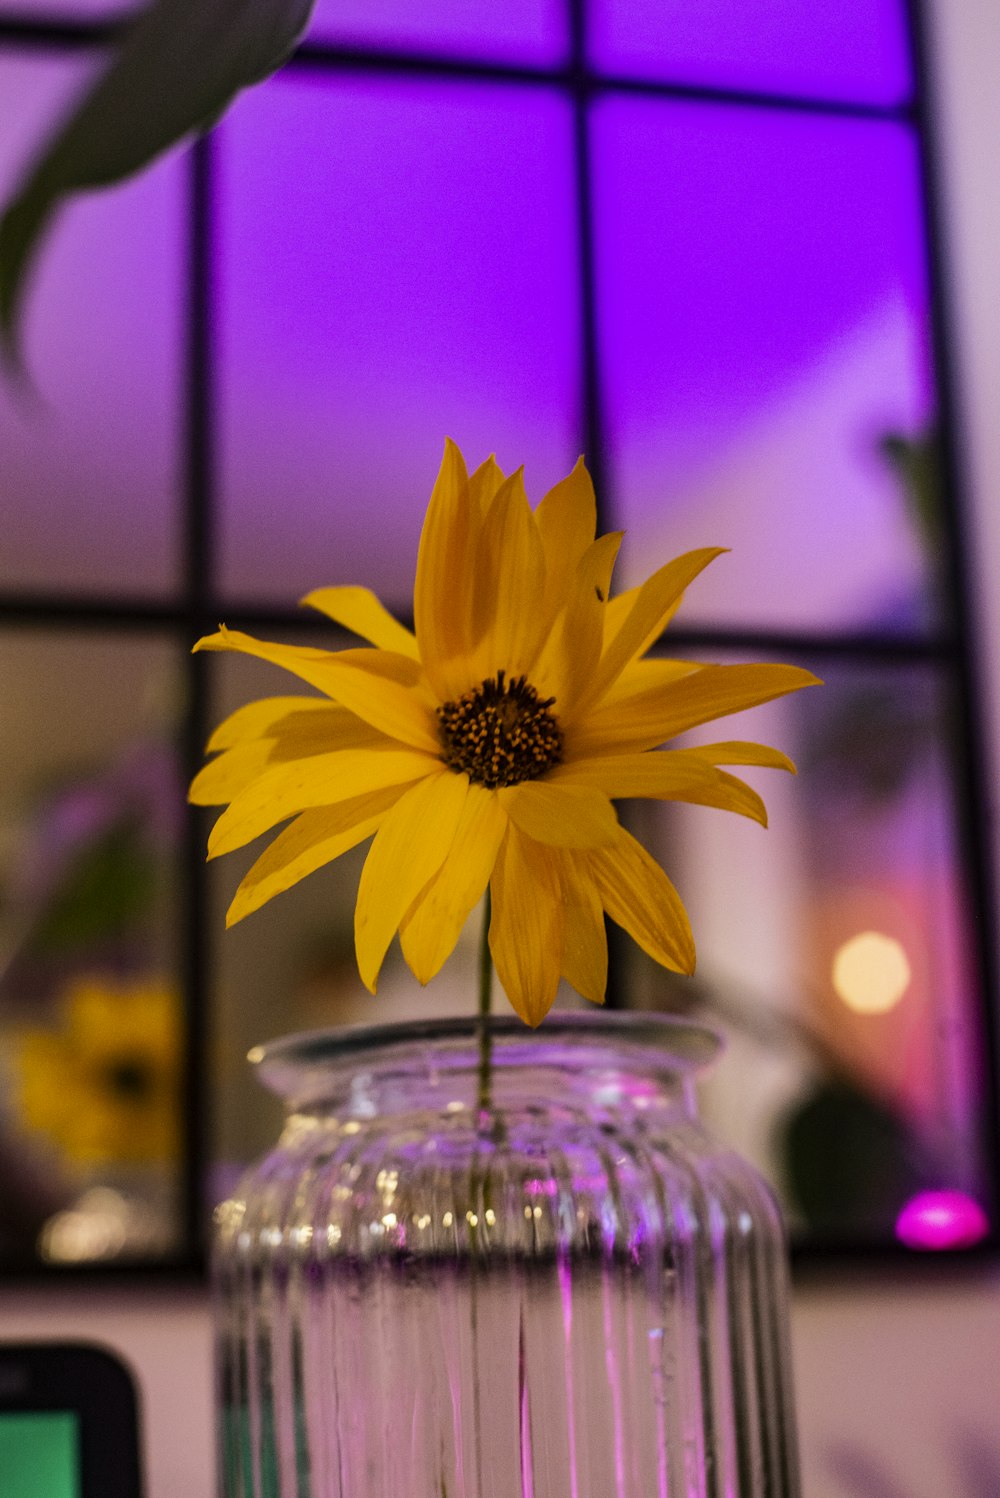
(901, 1371)
(903, 1368)
(165, 1337)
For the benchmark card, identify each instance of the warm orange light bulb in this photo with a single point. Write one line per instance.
(871, 972)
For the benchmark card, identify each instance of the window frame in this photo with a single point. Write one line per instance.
(197, 604)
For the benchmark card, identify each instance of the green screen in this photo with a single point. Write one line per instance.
(39, 1456)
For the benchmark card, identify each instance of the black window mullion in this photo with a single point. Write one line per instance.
(971, 800)
(197, 604)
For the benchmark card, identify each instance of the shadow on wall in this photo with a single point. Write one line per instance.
(976, 1465)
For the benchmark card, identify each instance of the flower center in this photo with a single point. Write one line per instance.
(500, 733)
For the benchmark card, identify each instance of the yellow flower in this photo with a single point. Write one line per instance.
(105, 1086)
(486, 746)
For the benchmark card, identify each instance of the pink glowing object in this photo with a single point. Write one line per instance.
(941, 1219)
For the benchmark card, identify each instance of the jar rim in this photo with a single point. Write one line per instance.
(663, 1042)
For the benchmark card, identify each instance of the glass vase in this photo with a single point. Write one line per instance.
(530, 1274)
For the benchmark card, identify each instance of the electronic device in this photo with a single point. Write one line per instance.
(68, 1423)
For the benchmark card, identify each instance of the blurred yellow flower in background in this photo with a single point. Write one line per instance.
(485, 747)
(104, 1087)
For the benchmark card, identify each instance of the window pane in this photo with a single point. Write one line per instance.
(414, 278)
(764, 329)
(88, 468)
(852, 50)
(836, 949)
(518, 30)
(91, 1030)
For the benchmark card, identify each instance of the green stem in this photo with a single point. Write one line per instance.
(485, 998)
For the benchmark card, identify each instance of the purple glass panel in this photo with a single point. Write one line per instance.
(854, 50)
(88, 471)
(398, 265)
(531, 31)
(762, 314)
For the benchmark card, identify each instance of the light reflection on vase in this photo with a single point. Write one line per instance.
(574, 1294)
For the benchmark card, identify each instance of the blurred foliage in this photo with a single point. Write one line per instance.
(87, 875)
(863, 1475)
(867, 742)
(917, 464)
(175, 69)
(849, 1160)
(105, 894)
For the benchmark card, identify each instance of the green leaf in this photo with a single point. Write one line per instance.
(176, 70)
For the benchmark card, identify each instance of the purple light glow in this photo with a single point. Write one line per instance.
(514, 30)
(399, 265)
(541, 1188)
(840, 50)
(937, 1220)
(762, 305)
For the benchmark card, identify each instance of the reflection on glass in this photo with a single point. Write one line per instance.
(91, 1028)
(413, 279)
(763, 324)
(854, 1108)
(852, 50)
(88, 470)
(519, 30)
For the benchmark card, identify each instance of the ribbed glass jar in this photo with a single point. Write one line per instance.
(572, 1293)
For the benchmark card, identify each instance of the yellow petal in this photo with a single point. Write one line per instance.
(667, 775)
(739, 752)
(570, 656)
(585, 949)
(434, 922)
(651, 716)
(225, 777)
(315, 838)
(655, 602)
(561, 816)
(298, 735)
(384, 688)
(444, 560)
(508, 624)
(483, 485)
(410, 846)
(360, 611)
(727, 793)
(652, 675)
(567, 523)
(637, 895)
(303, 726)
(299, 659)
(322, 780)
(618, 609)
(254, 719)
(387, 691)
(527, 925)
